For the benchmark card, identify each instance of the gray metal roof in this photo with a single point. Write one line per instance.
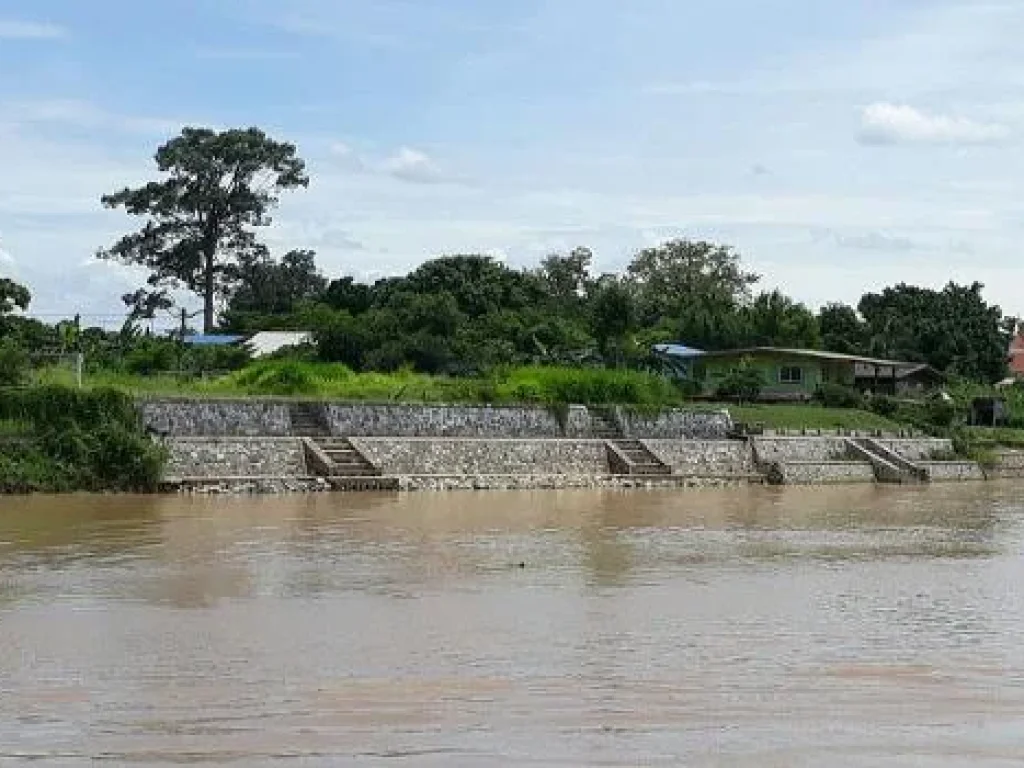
(816, 354)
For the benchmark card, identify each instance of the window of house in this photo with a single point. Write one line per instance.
(791, 374)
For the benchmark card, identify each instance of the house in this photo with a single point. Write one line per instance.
(797, 374)
(678, 358)
(917, 380)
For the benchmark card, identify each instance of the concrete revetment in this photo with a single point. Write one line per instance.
(280, 445)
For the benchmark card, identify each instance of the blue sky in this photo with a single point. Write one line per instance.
(839, 147)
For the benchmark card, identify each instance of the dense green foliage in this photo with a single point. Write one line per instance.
(69, 439)
(14, 363)
(953, 330)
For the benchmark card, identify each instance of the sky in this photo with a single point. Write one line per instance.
(839, 147)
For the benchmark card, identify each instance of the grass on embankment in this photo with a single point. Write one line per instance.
(1008, 437)
(805, 416)
(523, 385)
(527, 384)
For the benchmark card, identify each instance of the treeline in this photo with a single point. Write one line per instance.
(466, 314)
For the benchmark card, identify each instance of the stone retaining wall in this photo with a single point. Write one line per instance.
(676, 423)
(1008, 464)
(952, 471)
(359, 420)
(455, 456)
(244, 486)
(917, 449)
(704, 458)
(556, 482)
(799, 449)
(265, 457)
(826, 473)
(227, 417)
(217, 418)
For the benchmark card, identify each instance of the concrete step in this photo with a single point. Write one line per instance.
(650, 469)
(364, 483)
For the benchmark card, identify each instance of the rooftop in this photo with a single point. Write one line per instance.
(815, 354)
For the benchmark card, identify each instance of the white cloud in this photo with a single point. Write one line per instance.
(85, 115)
(885, 123)
(875, 241)
(12, 29)
(346, 157)
(413, 165)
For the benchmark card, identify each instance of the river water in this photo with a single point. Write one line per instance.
(853, 626)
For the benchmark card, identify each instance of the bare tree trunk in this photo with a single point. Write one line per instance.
(208, 319)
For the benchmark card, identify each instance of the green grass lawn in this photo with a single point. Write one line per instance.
(804, 416)
(1005, 436)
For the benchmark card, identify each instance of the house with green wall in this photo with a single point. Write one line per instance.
(797, 374)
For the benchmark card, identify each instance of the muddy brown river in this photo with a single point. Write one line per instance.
(754, 627)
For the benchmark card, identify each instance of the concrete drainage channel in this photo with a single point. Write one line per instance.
(281, 446)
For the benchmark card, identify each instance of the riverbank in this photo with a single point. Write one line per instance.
(100, 440)
(244, 446)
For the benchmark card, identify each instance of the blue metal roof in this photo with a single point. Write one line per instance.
(212, 339)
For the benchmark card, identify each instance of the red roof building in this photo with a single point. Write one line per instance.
(1017, 356)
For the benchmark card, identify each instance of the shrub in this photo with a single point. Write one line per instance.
(14, 364)
(278, 379)
(83, 440)
(216, 358)
(743, 383)
(839, 396)
(939, 413)
(152, 356)
(884, 406)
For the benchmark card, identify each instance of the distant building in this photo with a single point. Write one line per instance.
(1016, 354)
(213, 340)
(268, 342)
(259, 344)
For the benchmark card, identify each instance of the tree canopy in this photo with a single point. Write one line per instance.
(13, 296)
(268, 292)
(215, 189)
(954, 329)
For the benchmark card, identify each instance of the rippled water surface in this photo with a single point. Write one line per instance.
(756, 627)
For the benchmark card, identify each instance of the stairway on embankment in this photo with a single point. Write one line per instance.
(603, 425)
(631, 457)
(308, 420)
(888, 465)
(334, 458)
